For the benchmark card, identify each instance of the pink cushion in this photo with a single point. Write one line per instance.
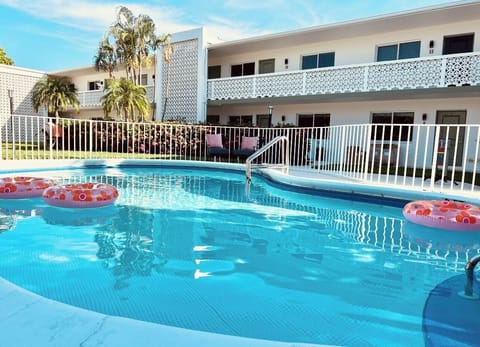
(214, 140)
(249, 142)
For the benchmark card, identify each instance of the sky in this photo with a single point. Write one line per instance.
(52, 35)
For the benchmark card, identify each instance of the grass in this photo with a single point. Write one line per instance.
(36, 151)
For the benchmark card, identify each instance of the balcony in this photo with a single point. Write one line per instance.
(91, 98)
(421, 73)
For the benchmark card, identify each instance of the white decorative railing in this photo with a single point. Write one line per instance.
(92, 98)
(436, 158)
(430, 72)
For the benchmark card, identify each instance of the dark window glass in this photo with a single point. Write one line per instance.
(248, 69)
(144, 79)
(402, 132)
(409, 50)
(385, 53)
(326, 59)
(321, 120)
(458, 44)
(246, 120)
(213, 119)
(309, 62)
(237, 70)
(234, 120)
(305, 120)
(383, 129)
(264, 120)
(214, 72)
(382, 126)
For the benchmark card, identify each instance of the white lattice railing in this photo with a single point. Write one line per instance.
(92, 98)
(431, 72)
(395, 155)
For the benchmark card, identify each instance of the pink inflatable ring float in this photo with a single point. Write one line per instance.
(23, 187)
(82, 195)
(443, 214)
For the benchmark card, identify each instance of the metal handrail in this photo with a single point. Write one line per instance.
(285, 155)
(469, 273)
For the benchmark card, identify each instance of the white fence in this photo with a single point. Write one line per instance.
(428, 72)
(431, 157)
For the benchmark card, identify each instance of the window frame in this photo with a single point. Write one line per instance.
(318, 60)
(397, 46)
(390, 130)
(144, 78)
(212, 72)
(97, 85)
(250, 67)
(240, 120)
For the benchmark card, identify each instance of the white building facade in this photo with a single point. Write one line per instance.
(406, 68)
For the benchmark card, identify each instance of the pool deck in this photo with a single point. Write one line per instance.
(31, 320)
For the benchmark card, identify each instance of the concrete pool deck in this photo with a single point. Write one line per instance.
(31, 320)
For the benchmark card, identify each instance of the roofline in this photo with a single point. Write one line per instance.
(346, 23)
(60, 72)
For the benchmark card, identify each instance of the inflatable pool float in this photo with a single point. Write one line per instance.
(81, 195)
(23, 187)
(443, 214)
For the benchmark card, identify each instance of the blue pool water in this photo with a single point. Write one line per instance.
(188, 248)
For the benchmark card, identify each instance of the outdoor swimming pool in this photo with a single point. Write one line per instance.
(188, 248)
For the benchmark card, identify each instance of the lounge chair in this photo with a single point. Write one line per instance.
(248, 146)
(215, 146)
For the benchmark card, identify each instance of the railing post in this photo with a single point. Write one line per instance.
(304, 82)
(443, 73)
(90, 139)
(365, 79)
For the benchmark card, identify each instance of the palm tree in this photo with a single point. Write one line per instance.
(167, 58)
(106, 58)
(127, 98)
(56, 94)
(130, 41)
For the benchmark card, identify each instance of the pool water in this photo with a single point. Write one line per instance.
(189, 248)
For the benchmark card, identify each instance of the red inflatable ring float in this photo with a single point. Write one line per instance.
(443, 214)
(23, 187)
(82, 195)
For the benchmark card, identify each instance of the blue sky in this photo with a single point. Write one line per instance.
(51, 35)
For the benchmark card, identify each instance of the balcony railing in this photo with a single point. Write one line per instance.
(431, 72)
(437, 158)
(91, 98)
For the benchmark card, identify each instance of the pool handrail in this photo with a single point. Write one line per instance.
(285, 155)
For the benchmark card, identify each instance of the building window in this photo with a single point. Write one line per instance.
(214, 72)
(144, 79)
(243, 69)
(458, 44)
(392, 126)
(213, 119)
(264, 120)
(244, 120)
(95, 85)
(266, 66)
(318, 60)
(314, 120)
(405, 50)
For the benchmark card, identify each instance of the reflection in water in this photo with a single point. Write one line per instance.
(7, 222)
(139, 240)
(77, 217)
